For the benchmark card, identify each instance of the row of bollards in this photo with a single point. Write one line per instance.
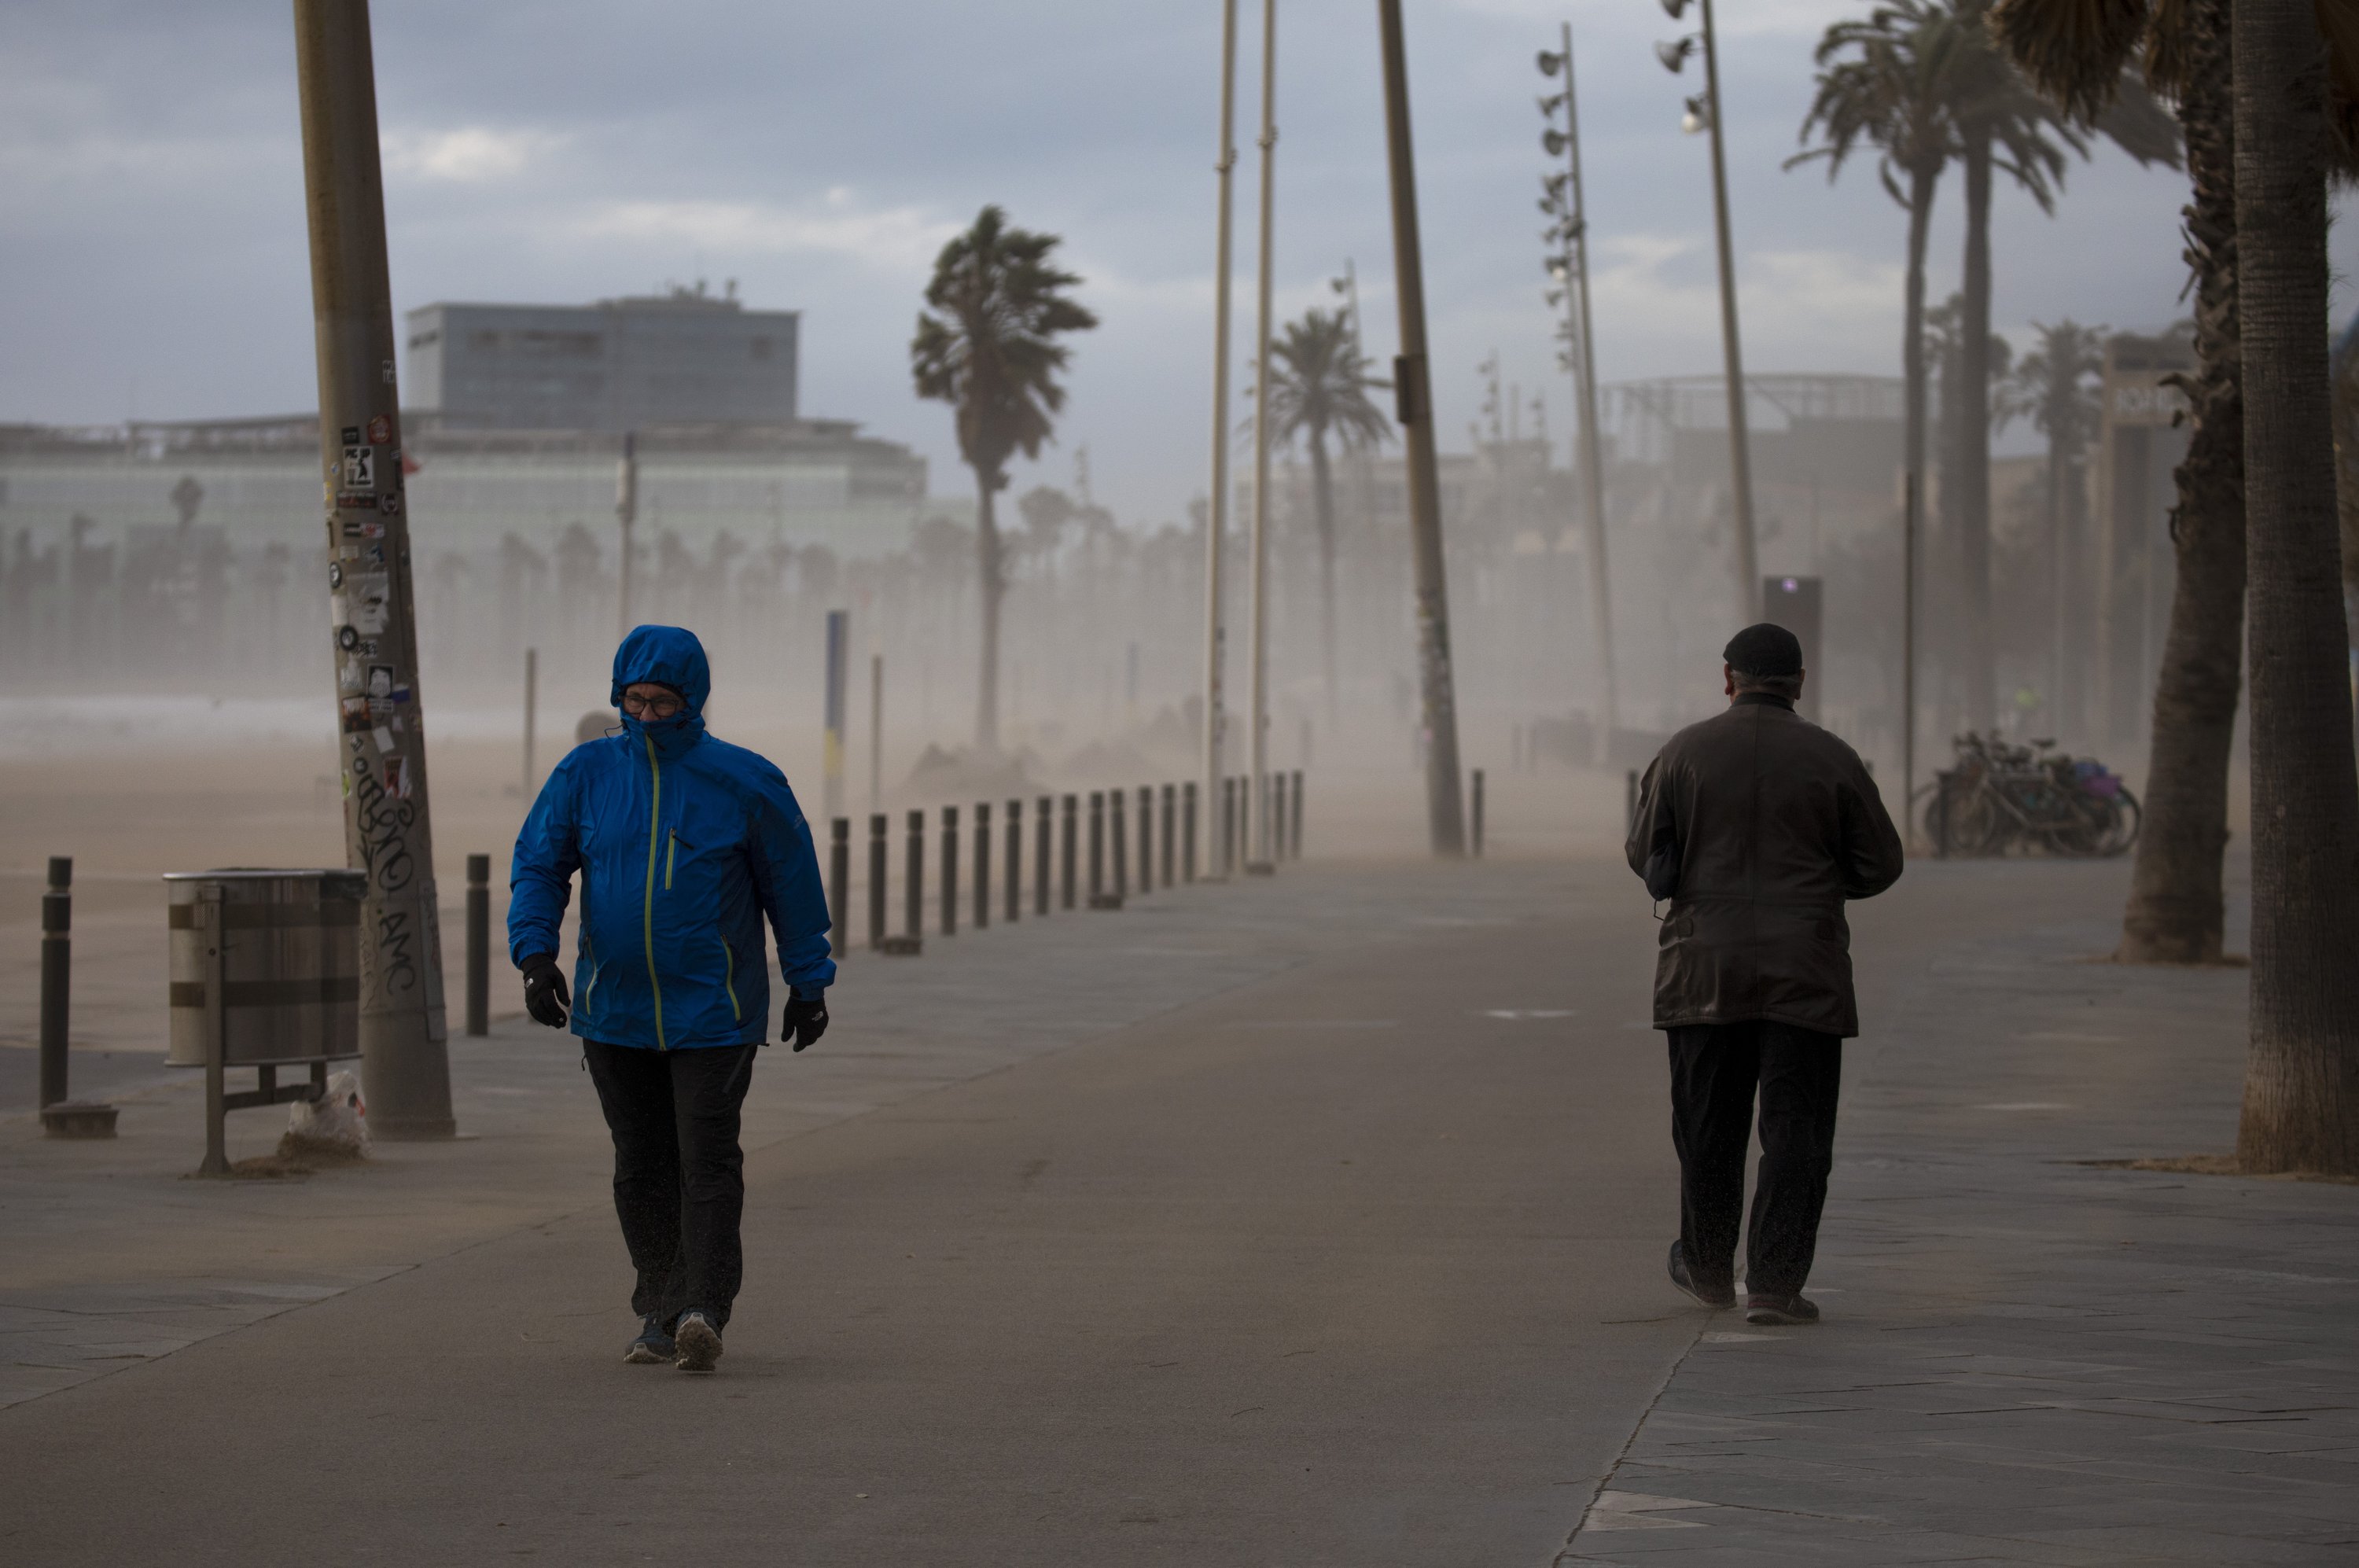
(1131, 841)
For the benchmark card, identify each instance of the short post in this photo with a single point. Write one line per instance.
(1071, 827)
(1015, 861)
(1188, 829)
(1294, 831)
(62, 1116)
(1044, 847)
(479, 944)
(981, 865)
(209, 913)
(1228, 826)
(1119, 831)
(1146, 838)
(531, 705)
(57, 976)
(839, 874)
(1940, 817)
(1170, 813)
(1097, 849)
(949, 870)
(876, 876)
(912, 940)
(1277, 818)
(1629, 801)
(1478, 814)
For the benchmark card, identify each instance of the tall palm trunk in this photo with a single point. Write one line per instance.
(1322, 500)
(2176, 901)
(2058, 470)
(993, 584)
(2302, 1076)
(1974, 437)
(1922, 182)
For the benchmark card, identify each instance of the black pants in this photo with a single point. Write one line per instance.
(680, 1177)
(1714, 1068)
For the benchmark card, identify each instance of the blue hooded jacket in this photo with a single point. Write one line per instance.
(684, 843)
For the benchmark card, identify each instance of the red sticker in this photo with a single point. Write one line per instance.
(380, 430)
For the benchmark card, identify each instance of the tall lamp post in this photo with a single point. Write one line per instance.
(1413, 405)
(1568, 267)
(1703, 114)
(1259, 856)
(405, 1055)
(1216, 515)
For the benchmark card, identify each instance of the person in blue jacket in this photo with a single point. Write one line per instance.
(685, 844)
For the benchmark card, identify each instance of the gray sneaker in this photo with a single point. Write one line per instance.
(1713, 1296)
(1774, 1310)
(697, 1340)
(653, 1347)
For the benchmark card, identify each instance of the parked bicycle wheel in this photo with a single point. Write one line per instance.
(2128, 817)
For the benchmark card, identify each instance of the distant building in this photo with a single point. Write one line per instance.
(682, 358)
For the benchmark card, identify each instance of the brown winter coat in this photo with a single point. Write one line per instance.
(1772, 823)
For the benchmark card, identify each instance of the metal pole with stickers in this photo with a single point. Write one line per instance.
(380, 735)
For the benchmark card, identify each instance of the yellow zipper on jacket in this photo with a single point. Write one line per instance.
(647, 909)
(671, 855)
(729, 982)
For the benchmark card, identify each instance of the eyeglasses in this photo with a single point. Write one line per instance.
(663, 704)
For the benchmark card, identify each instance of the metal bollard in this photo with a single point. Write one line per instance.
(479, 944)
(1278, 817)
(57, 976)
(1097, 849)
(1478, 814)
(1120, 831)
(1294, 830)
(911, 942)
(1015, 861)
(839, 873)
(877, 877)
(1227, 862)
(1072, 837)
(949, 870)
(981, 865)
(1188, 829)
(1146, 838)
(1044, 847)
(1170, 810)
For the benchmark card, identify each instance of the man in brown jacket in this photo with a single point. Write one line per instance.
(1757, 825)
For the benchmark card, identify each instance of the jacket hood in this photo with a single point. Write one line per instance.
(670, 655)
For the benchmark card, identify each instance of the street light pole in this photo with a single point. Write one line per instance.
(1740, 444)
(626, 512)
(1257, 697)
(404, 1061)
(1216, 515)
(1583, 363)
(1413, 393)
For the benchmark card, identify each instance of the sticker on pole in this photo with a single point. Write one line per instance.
(360, 467)
(380, 430)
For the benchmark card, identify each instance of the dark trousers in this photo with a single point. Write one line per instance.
(1715, 1069)
(680, 1177)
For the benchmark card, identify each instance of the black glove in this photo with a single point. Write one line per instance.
(545, 996)
(806, 1019)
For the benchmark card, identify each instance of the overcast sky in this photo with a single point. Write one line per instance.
(151, 234)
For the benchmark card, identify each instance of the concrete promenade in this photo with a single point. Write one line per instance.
(1310, 1221)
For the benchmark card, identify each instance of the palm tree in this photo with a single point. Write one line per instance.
(2261, 119)
(1318, 383)
(991, 354)
(1883, 82)
(2176, 899)
(2049, 386)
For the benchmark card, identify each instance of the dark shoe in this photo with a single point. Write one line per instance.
(1769, 1309)
(653, 1347)
(1705, 1295)
(697, 1341)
